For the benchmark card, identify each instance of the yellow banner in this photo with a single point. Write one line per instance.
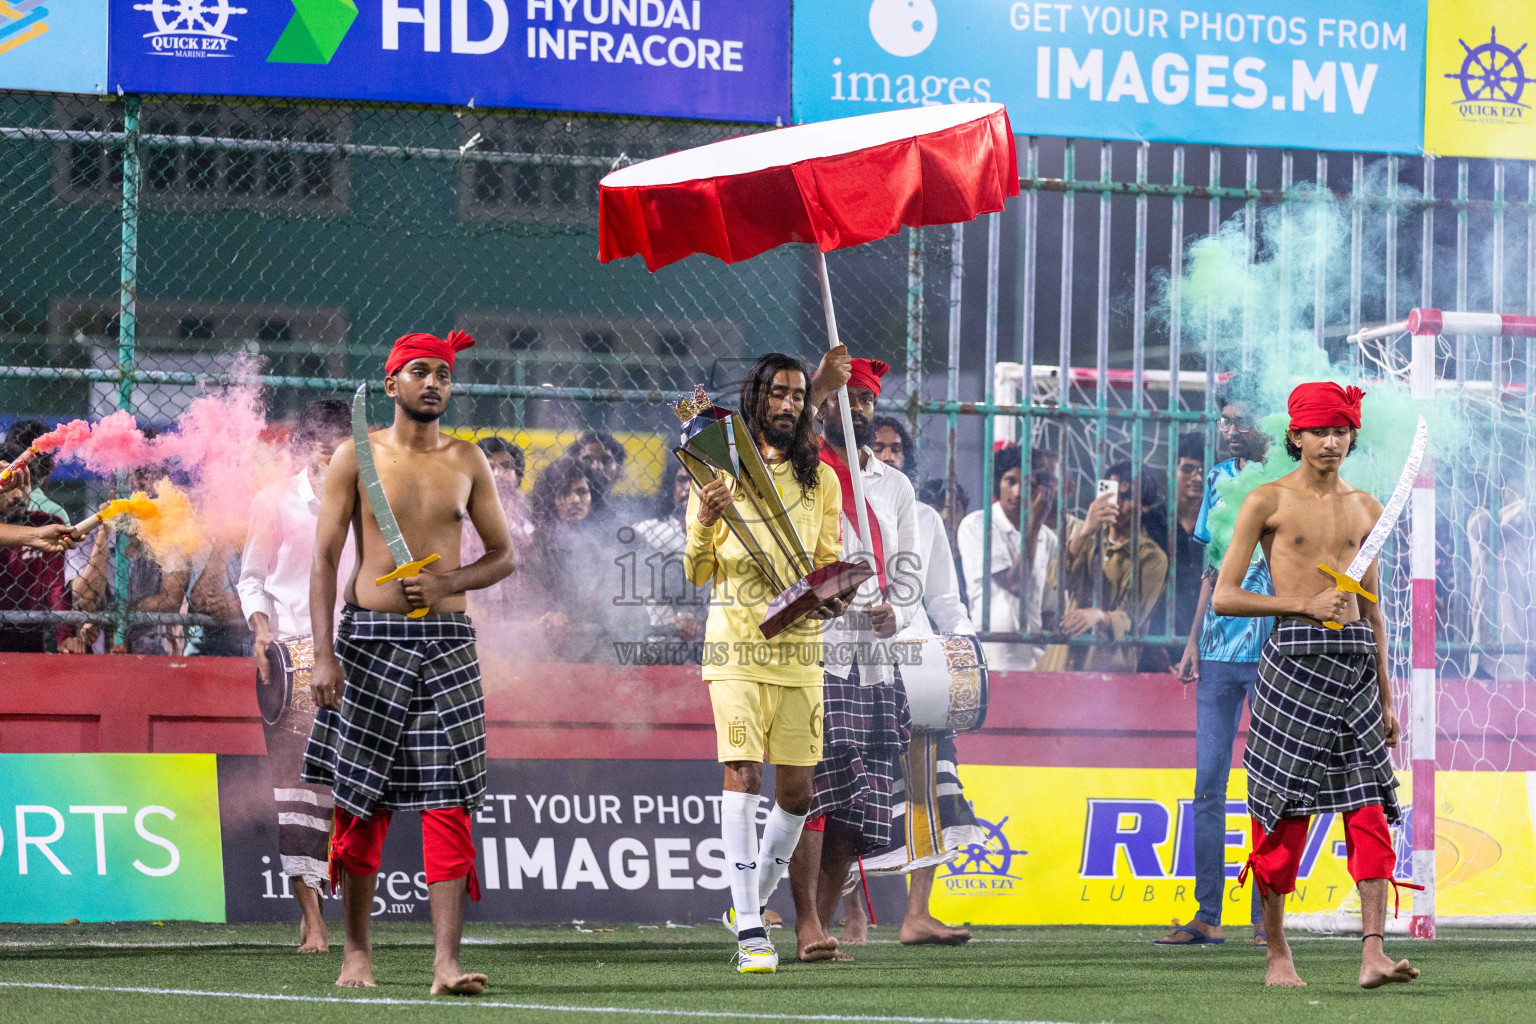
(1116, 846)
(1480, 79)
(648, 454)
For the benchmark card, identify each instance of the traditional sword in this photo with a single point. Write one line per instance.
(405, 566)
(1348, 581)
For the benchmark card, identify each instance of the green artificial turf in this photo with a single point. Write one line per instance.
(1036, 974)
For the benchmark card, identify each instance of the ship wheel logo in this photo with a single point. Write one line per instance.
(992, 856)
(190, 17)
(1492, 72)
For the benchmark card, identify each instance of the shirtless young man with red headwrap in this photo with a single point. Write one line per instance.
(402, 720)
(1323, 714)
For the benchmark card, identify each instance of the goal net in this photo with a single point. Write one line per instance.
(1457, 589)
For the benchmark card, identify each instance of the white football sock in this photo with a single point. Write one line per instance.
(738, 827)
(780, 837)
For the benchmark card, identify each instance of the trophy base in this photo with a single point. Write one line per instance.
(830, 582)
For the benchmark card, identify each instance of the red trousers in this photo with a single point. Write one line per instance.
(1276, 856)
(446, 847)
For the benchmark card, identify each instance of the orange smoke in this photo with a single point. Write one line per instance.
(138, 505)
(166, 524)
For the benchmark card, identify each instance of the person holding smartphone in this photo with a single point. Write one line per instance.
(1096, 563)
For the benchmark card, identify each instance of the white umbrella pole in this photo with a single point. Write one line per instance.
(851, 446)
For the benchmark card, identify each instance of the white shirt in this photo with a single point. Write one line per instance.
(893, 501)
(942, 611)
(1004, 609)
(279, 550)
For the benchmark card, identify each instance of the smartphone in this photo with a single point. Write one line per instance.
(1111, 488)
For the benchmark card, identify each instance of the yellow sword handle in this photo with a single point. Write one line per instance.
(405, 572)
(1343, 583)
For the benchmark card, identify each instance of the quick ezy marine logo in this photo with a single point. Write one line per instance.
(190, 28)
(1493, 80)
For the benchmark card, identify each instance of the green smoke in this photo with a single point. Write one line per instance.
(1274, 299)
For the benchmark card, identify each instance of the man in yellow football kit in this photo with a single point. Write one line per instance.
(766, 694)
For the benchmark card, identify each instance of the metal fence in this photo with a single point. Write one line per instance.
(152, 241)
(157, 246)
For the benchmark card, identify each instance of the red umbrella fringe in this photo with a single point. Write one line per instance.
(834, 202)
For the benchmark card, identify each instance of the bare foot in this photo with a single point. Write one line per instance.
(454, 983)
(929, 930)
(855, 930)
(1282, 972)
(812, 944)
(839, 957)
(1378, 969)
(356, 970)
(771, 919)
(312, 937)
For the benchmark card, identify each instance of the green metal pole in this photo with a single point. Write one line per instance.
(127, 330)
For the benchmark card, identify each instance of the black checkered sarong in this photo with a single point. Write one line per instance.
(1316, 741)
(866, 731)
(410, 734)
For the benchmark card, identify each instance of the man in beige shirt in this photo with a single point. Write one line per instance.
(1100, 600)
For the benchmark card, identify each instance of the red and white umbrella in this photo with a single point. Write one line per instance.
(833, 184)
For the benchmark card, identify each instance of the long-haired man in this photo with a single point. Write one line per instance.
(766, 695)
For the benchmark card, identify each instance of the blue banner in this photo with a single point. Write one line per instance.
(710, 59)
(1348, 74)
(53, 45)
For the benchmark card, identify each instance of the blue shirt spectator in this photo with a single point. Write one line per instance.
(1227, 637)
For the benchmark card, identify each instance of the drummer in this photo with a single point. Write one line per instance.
(274, 598)
(866, 725)
(930, 788)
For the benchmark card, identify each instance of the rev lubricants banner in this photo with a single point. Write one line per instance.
(1116, 846)
(1480, 79)
(713, 59)
(109, 837)
(1342, 75)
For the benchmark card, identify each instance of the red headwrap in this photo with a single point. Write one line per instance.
(419, 346)
(866, 373)
(1325, 404)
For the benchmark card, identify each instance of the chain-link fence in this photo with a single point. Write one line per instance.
(159, 245)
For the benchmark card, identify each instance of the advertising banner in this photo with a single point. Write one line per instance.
(1341, 75)
(110, 837)
(712, 59)
(1480, 79)
(53, 45)
(569, 840)
(1115, 846)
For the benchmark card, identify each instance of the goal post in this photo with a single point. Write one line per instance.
(1377, 347)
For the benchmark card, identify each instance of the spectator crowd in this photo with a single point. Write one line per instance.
(597, 571)
(600, 566)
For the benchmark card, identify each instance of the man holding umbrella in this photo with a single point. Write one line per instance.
(867, 721)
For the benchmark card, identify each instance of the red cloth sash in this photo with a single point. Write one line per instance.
(845, 481)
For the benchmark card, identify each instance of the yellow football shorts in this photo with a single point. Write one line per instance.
(760, 721)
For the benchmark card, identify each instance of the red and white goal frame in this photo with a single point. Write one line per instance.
(1424, 326)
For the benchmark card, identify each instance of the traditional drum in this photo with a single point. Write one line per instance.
(946, 681)
(286, 701)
